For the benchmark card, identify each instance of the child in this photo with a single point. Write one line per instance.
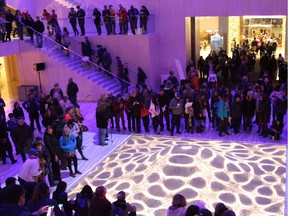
(12, 124)
(276, 129)
(189, 114)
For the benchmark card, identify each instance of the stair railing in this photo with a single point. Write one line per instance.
(60, 47)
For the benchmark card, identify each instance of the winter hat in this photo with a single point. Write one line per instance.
(177, 94)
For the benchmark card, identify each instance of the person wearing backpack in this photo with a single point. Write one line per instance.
(121, 208)
(82, 202)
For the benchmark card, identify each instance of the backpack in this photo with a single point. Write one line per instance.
(117, 211)
(82, 205)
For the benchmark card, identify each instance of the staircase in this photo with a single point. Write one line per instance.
(74, 62)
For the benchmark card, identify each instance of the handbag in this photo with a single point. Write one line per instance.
(69, 154)
(144, 112)
(84, 128)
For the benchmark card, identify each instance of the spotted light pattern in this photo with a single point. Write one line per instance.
(249, 178)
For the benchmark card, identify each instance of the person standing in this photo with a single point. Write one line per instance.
(47, 16)
(144, 16)
(223, 113)
(154, 110)
(141, 77)
(75, 129)
(2, 111)
(81, 19)
(52, 144)
(107, 19)
(23, 136)
(97, 20)
(53, 19)
(31, 105)
(29, 22)
(72, 90)
(107, 62)
(72, 19)
(248, 110)
(88, 48)
(176, 107)
(68, 146)
(124, 79)
(133, 18)
(236, 114)
(101, 122)
(66, 40)
(19, 20)
(5, 142)
(9, 20)
(39, 28)
(112, 19)
(123, 20)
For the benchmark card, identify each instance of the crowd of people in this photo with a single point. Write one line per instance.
(63, 122)
(15, 23)
(217, 89)
(34, 198)
(209, 96)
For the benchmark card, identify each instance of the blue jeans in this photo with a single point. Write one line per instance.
(101, 135)
(39, 40)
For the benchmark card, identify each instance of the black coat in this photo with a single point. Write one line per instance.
(52, 144)
(23, 135)
(236, 110)
(102, 119)
(248, 108)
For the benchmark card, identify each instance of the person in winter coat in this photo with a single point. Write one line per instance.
(264, 110)
(5, 144)
(31, 105)
(154, 110)
(101, 122)
(176, 107)
(68, 146)
(76, 131)
(23, 136)
(199, 105)
(141, 77)
(100, 205)
(235, 114)
(118, 106)
(248, 110)
(223, 114)
(52, 144)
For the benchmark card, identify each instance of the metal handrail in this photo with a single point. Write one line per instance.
(71, 51)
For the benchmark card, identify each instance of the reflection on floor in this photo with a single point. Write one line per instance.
(249, 178)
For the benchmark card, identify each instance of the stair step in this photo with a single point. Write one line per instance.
(74, 62)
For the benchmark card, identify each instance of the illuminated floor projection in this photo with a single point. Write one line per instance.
(249, 178)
